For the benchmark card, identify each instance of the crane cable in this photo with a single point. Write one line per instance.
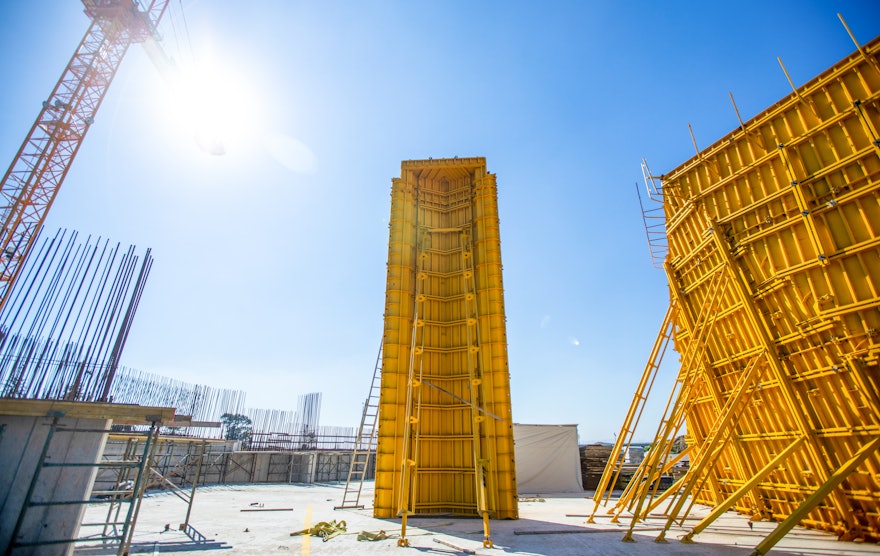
(185, 27)
(185, 50)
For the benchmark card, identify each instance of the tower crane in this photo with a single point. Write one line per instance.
(34, 177)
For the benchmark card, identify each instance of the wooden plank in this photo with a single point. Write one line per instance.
(120, 414)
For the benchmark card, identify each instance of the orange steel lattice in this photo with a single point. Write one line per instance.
(774, 273)
(32, 181)
(445, 429)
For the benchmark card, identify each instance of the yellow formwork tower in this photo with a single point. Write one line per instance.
(445, 439)
(774, 271)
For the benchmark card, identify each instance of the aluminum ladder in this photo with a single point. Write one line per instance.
(364, 444)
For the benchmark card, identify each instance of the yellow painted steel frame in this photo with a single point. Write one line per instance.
(639, 495)
(614, 466)
(786, 422)
(445, 438)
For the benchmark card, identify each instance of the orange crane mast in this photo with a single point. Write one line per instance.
(35, 175)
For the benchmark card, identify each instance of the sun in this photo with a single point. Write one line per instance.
(214, 103)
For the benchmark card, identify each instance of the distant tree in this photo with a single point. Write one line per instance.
(238, 426)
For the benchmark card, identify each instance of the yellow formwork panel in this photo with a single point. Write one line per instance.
(787, 210)
(445, 438)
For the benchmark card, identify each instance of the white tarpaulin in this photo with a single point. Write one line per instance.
(547, 459)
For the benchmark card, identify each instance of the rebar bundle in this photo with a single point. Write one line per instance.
(202, 403)
(273, 429)
(268, 421)
(308, 413)
(325, 438)
(66, 323)
(63, 331)
(303, 421)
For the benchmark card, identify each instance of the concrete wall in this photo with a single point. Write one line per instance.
(282, 467)
(21, 442)
(175, 461)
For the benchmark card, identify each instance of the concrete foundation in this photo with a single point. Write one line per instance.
(22, 441)
(48, 449)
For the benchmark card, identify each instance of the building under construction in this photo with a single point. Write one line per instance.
(772, 251)
(771, 242)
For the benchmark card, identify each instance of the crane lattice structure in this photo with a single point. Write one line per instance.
(34, 177)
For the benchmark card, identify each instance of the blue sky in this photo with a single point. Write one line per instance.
(269, 270)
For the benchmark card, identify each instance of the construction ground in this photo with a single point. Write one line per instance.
(769, 239)
(259, 519)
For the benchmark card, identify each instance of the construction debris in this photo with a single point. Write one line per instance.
(325, 530)
(460, 549)
(367, 536)
(593, 460)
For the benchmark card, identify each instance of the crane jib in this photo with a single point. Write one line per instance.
(38, 169)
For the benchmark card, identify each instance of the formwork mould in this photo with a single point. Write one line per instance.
(774, 276)
(445, 436)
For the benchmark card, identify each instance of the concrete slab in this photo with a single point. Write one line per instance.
(551, 524)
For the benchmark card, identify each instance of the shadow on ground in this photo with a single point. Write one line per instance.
(196, 543)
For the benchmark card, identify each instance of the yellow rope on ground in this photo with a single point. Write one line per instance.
(324, 530)
(367, 536)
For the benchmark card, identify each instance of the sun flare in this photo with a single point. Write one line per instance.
(215, 104)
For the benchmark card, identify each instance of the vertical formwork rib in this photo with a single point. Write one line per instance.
(445, 429)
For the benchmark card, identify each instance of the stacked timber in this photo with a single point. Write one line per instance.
(593, 460)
